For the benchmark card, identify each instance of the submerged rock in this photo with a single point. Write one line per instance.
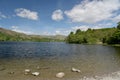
(38, 67)
(75, 70)
(60, 75)
(35, 73)
(11, 72)
(2, 68)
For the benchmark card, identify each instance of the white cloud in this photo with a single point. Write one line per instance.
(116, 18)
(25, 13)
(16, 29)
(98, 27)
(57, 15)
(93, 11)
(57, 32)
(65, 32)
(83, 28)
(2, 16)
(104, 25)
(46, 33)
(62, 32)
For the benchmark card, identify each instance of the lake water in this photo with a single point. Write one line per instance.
(96, 62)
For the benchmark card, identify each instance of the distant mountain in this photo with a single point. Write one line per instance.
(60, 37)
(8, 35)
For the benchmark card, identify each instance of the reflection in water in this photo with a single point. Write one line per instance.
(92, 60)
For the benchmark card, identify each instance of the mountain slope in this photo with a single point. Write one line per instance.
(8, 35)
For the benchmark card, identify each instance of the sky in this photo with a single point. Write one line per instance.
(58, 17)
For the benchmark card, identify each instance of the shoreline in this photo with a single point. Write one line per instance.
(104, 44)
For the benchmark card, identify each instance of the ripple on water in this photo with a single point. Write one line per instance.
(59, 57)
(112, 76)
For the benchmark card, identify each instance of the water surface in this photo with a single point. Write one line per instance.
(96, 62)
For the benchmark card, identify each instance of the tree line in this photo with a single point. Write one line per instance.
(95, 36)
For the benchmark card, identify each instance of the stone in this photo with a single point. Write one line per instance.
(75, 70)
(60, 75)
(35, 73)
(11, 72)
(27, 71)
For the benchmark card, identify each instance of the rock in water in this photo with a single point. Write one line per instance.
(27, 71)
(78, 71)
(75, 70)
(11, 72)
(35, 73)
(38, 67)
(60, 75)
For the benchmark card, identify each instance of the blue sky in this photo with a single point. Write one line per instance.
(52, 17)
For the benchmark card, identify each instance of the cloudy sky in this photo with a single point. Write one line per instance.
(51, 17)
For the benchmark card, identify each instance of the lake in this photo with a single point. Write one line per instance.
(96, 62)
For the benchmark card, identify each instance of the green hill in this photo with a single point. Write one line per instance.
(91, 36)
(8, 35)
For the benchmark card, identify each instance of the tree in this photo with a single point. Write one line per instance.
(104, 40)
(115, 38)
(89, 29)
(94, 36)
(85, 40)
(71, 38)
(118, 26)
(78, 31)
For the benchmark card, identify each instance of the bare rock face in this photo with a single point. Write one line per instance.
(60, 75)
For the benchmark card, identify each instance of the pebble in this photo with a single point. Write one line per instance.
(75, 70)
(35, 73)
(60, 75)
(27, 71)
(11, 72)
